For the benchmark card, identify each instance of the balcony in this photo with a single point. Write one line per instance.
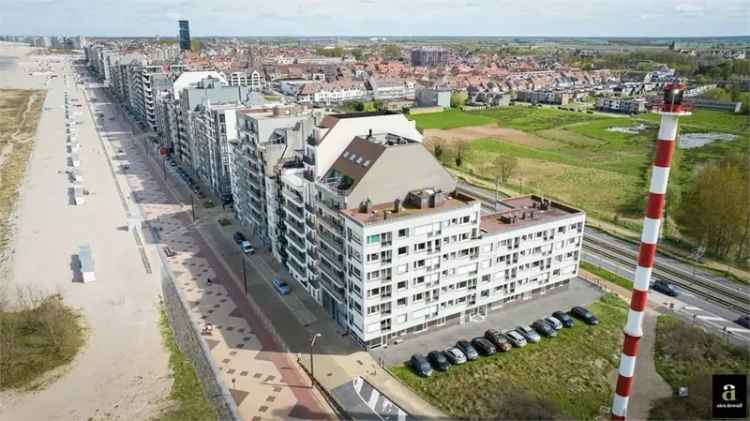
(333, 257)
(308, 159)
(331, 240)
(294, 211)
(309, 175)
(298, 228)
(333, 225)
(335, 277)
(293, 196)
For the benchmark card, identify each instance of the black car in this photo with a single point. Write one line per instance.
(438, 360)
(564, 318)
(239, 237)
(584, 314)
(543, 328)
(500, 341)
(484, 346)
(664, 287)
(420, 365)
(743, 321)
(468, 349)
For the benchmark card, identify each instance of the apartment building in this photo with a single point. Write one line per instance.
(621, 105)
(384, 89)
(214, 127)
(253, 79)
(429, 56)
(544, 97)
(269, 142)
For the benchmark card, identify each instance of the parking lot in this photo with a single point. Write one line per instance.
(579, 292)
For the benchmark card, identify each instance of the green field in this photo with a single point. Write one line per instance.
(450, 119)
(569, 376)
(581, 161)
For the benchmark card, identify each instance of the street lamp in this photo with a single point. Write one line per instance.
(312, 362)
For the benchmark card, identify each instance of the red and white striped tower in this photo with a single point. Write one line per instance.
(671, 109)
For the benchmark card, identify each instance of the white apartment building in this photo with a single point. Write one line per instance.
(254, 80)
(438, 262)
(338, 92)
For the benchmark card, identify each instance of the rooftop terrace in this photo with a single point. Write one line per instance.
(525, 211)
(385, 212)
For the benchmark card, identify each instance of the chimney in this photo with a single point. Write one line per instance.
(397, 206)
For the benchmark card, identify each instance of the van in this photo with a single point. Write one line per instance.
(247, 248)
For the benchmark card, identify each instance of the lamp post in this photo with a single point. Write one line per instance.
(244, 272)
(312, 361)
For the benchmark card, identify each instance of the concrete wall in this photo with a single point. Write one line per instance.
(194, 346)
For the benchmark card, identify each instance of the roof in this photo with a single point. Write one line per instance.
(355, 161)
(187, 79)
(384, 212)
(525, 211)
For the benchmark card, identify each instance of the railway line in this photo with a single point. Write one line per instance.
(733, 299)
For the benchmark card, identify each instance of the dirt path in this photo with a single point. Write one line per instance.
(491, 131)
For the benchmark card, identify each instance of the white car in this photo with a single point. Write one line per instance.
(455, 356)
(553, 323)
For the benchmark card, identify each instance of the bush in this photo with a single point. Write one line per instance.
(225, 222)
(209, 204)
(41, 335)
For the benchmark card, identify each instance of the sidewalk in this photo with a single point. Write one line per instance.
(263, 382)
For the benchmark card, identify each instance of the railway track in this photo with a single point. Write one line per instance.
(732, 299)
(711, 291)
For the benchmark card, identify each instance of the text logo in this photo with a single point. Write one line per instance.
(729, 396)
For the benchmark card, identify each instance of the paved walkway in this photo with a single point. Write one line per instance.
(264, 381)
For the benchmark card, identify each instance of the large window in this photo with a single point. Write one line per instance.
(373, 239)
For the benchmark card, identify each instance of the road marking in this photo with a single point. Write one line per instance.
(712, 318)
(738, 330)
(693, 308)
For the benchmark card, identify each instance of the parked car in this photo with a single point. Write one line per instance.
(564, 318)
(438, 360)
(169, 252)
(543, 328)
(280, 286)
(585, 315)
(553, 322)
(484, 346)
(239, 237)
(743, 321)
(498, 339)
(247, 248)
(528, 334)
(455, 356)
(420, 365)
(515, 338)
(664, 287)
(469, 351)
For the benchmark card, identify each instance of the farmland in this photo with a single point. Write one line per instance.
(563, 377)
(596, 162)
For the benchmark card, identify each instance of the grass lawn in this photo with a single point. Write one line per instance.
(607, 275)
(686, 356)
(187, 399)
(450, 119)
(572, 371)
(533, 119)
(34, 340)
(710, 120)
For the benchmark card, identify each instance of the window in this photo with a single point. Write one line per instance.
(401, 302)
(417, 297)
(401, 285)
(404, 232)
(372, 239)
(373, 309)
(402, 251)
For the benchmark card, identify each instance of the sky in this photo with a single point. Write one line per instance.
(612, 18)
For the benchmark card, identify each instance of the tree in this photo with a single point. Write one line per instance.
(392, 52)
(458, 99)
(461, 148)
(714, 209)
(503, 166)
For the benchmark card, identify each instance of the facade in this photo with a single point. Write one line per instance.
(429, 56)
(214, 127)
(621, 105)
(429, 97)
(184, 35)
(383, 89)
(253, 79)
(544, 97)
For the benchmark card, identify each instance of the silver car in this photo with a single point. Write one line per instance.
(515, 338)
(553, 322)
(455, 355)
(529, 334)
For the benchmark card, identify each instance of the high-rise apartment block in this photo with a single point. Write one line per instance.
(184, 35)
(429, 56)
